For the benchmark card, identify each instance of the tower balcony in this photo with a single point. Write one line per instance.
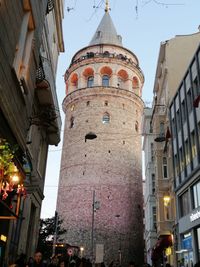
(105, 57)
(49, 114)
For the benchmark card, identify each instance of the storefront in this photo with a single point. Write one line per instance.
(13, 173)
(189, 236)
(162, 250)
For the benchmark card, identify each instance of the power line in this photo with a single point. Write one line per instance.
(162, 3)
(99, 5)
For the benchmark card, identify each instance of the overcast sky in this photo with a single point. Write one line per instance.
(142, 30)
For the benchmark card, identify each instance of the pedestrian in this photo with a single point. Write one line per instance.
(131, 264)
(21, 261)
(197, 264)
(38, 262)
(62, 263)
(30, 261)
(54, 262)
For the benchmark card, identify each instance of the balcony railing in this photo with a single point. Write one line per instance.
(105, 54)
(49, 114)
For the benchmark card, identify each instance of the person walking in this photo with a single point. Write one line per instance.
(37, 262)
(21, 261)
(54, 262)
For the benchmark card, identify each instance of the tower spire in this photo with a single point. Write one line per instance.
(107, 6)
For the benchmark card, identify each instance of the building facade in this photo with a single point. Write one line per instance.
(100, 187)
(150, 232)
(174, 57)
(185, 125)
(30, 42)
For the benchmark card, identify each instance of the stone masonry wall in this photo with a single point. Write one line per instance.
(110, 165)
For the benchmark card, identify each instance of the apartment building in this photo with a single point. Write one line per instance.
(174, 57)
(150, 231)
(184, 114)
(30, 42)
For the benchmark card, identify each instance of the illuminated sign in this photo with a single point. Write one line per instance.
(3, 238)
(195, 216)
(168, 251)
(187, 235)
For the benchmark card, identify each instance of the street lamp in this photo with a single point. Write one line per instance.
(95, 207)
(166, 200)
(119, 251)
(81, 249)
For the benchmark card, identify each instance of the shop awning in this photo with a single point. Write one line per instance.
(163, 242)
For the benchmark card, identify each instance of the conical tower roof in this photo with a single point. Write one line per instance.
(106, 32)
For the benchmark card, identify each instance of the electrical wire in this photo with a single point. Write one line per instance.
(99, 5)
(162, 3)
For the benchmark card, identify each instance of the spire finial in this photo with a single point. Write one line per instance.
(107, 6)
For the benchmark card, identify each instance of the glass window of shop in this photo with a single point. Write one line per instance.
(184, 204)
(187, 246)
(196, 195)
(198, 240)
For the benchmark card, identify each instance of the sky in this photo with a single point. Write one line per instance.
(143, 25)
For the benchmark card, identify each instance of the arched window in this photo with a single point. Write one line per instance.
(90, 81)
(106, 54)
(136, 126)
(135, 82)
(119, 81)
(88, 74)
(105, 80)
(106, 118)
(74, 80)
(122, 77)
(71, 122)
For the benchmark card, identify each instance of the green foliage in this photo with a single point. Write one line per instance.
(46, 233)
(7, 154)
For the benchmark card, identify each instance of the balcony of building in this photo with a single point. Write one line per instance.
(164, 227)
(48, 115)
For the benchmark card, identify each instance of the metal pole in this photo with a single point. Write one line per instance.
(55, 234)
(120, 251)
(92, 233)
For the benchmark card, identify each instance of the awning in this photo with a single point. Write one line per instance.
(163, 242)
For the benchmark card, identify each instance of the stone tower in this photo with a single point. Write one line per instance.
(100, 187)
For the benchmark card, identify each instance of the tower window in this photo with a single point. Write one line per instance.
(120, 82)
(135, 83)
(122, 78)
(74, 80)
(106, 118)
(99, 34)
(106, 54)
(106, 103)
(136, 126)
(105, 80)
(90, 81)
(88, 103)
(71, 122)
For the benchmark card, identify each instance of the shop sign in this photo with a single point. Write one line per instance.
(187, 243)
(168, 251)
(3, 238)
(195, 216)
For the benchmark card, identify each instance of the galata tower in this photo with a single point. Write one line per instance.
(100, 186)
